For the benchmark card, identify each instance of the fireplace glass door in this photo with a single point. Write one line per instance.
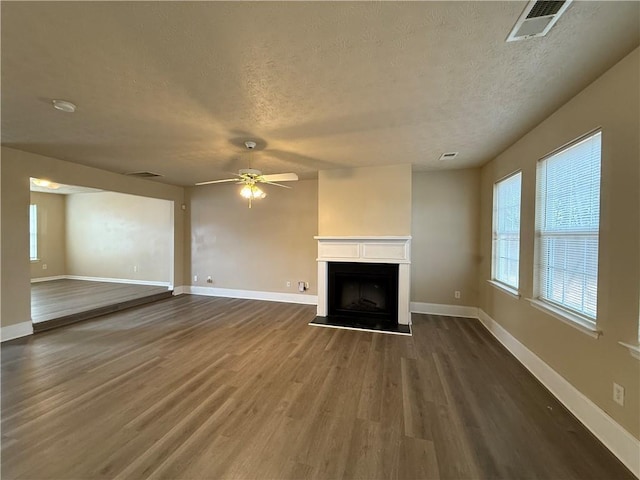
(363, 291)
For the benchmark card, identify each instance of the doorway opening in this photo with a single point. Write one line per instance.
(93, 252)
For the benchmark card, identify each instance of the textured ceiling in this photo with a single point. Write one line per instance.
(177, 87)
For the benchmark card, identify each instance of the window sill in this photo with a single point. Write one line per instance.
(504, 288)
(35, 260)
(566, 317)
(634, 350)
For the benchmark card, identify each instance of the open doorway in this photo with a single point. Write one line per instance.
(94, 252)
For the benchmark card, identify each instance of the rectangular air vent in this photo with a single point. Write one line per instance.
(545, 9)
(448, 156)
(143, 174)
(537, 19)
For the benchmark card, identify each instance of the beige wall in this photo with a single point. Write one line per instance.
(445, 244)
(1, 250)
(51, 235)
(365, 201)
(253, 249)
(591, 365)
(17, 167)
(113, 235)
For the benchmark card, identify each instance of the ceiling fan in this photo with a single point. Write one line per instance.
(250, 177)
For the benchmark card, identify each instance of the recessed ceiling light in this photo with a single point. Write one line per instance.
(64, 106)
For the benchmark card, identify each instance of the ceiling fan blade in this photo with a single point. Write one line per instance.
(281, 177)
(218, 181)
(277, 184)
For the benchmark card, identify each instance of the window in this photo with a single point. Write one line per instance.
(506, 231)
(567, 222)
(33, 232)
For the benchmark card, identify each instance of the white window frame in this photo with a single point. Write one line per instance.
(33, 232)
(501, 235)
(575, 317)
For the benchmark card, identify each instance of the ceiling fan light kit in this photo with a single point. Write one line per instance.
(249, 177)
(252, 192)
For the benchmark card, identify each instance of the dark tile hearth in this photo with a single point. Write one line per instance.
(361, 324)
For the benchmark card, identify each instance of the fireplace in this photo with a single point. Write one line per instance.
(363, 283)
(363, 291)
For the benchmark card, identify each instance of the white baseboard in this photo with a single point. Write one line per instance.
(151, 283)
(446, 310)
(16, 330)
(253, 295)
(621, 443)
(48, 279)
(180, 290)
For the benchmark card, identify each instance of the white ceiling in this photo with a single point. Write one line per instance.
(177, 87)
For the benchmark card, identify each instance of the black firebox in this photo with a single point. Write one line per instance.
(363, 292)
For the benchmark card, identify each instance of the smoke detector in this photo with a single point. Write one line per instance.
(64, 106)
(537, 19)
(250, 145)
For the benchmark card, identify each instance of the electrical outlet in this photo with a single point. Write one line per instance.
(456, 294)
(135, 268)
(288, 284)
(209, 279)
(44, 266)
(302, 286)
(195, 278)
(618, 394)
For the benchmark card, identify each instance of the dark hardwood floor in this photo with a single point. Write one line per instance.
(200, 387)
(59, 302)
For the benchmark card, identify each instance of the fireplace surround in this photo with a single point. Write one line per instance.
(382, 257)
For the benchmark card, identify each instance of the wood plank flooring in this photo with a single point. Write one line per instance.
(210, 388)
(63, 298)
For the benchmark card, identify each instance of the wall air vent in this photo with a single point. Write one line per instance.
(537, 19)
(448, 156)
(143, 174)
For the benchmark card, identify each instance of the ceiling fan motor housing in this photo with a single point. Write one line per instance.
(251, 172)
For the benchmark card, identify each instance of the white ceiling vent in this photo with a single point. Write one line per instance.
(448, 156)
(143, 174)
(537, 19)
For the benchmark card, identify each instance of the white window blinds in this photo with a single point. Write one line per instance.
(567, 222)
(33, 232)
(506, 230)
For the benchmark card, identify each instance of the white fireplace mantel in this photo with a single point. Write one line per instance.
(366, 249)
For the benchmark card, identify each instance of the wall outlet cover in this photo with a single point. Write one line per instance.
(618, 394)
